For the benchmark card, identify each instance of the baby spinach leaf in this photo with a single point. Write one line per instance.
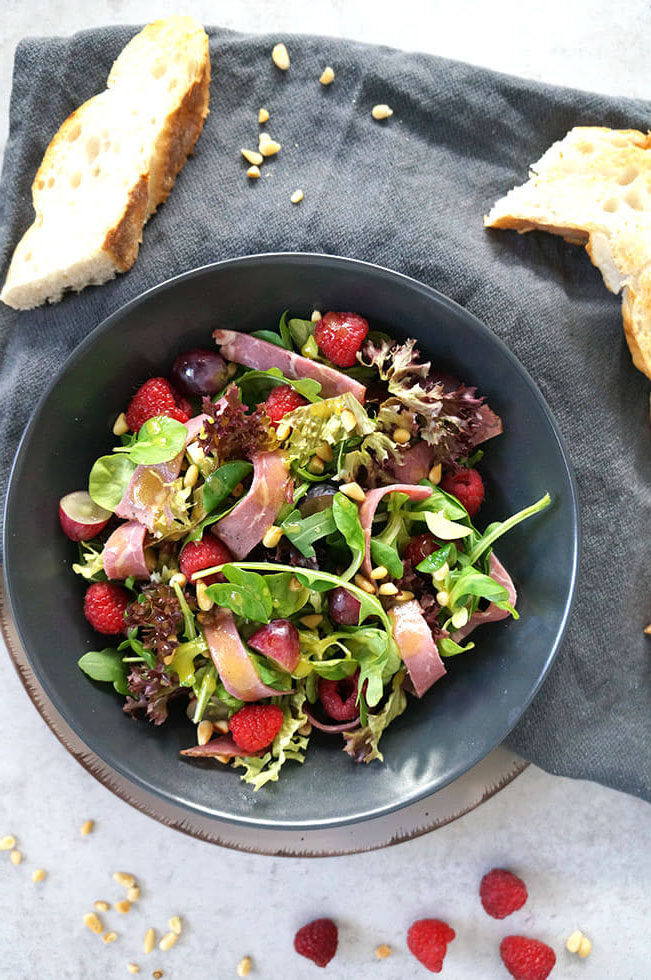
(159, 440)
(255, 385)
(335, 670)
(346, 517)
(221, 483)
(470, 582)
(448, 553)
(439, 500)
(109, 479)
(106, 665)
(284, 330)
(448, 648)
(300, 331)
(377, 659)
(232, 703)
(287, 593)
(302, 532)
(245, 593)
(385, 554)
(271, 338)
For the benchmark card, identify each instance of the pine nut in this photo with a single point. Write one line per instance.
(383, 951)
(348, 420)
(175, 924)
(224, 759)
(191, 475)
(316, 316)
(585, 947)
(204, 601)
(297, 197)
(101, 906)
(237, 490)
(401, 436)
(120, 426)
(388, 589)
(87, 827)
(263, 137)
(122, 906)
(305, 729)
(460, 618)
(16, 857)
(157, 974)
(253, 173)
(327, 76)
(221, 726)
(7, 843)
(434, 475)
(133, 968)
(39, 874)
(148, 941)
(363, 583)
(312, 621)
(378, 573)
(252, 156)
(324, 452)
(294, 584)
(405, 596)
(280, 57)
(354, 491)
(283, 430)
(196, 453)
(269, 148)
(442, 597)
(574, 941)
(263, 116)
(178, 579)
(441, 573)
(124, 878)
(204, 732)
(381, 111)
(109, 937)
(244, 967)
(169, 939)
(316, 466)
(93, 922)
(203, 619)
(272, 536)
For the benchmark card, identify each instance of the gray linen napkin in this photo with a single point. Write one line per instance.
(408, 194)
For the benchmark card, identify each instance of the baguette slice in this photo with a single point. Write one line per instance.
(594, 188)
(112, 162)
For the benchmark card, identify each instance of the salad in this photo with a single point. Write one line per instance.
(282, 539)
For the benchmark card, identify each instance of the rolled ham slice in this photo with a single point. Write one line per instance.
(335, 728)
(416, 646)
(370, 505)
(493, 613)
(490, 425)
(224, 746)
(124, 552)
(234, 666)
(251, 518)
(260, 354)
(415, 465)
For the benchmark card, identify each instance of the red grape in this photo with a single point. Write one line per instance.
(278, 640)
(199, 372)
(344, 607)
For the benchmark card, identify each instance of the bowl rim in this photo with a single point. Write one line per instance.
(333, 262)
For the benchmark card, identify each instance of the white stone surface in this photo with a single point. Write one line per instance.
(583, 850)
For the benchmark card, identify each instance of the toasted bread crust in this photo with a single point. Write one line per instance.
(123, 241)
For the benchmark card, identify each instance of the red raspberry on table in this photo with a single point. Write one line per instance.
(527, 959)
(419, 548)
(255, 726)
(155, 397)
(428, 941)
(467, 486)
(317, 941)
(502, 893)
(339, 698)
(104, 606)
(340, 336)
(198, 555)
(281, 400)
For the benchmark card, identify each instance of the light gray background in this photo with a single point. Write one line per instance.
(583, 850)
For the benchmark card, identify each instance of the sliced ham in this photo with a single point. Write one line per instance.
(259, 354)
(416, 646)
(370, 505)
(493, 613)
(415, 465)
(224, 746)
(124, 552)
(251, 518)
(490, 425)
(333, 729)
(234, 666)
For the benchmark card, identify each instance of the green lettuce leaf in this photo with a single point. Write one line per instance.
(362, 744)
(287, 745)
(314, 424)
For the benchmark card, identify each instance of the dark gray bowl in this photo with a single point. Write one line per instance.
(465, 715)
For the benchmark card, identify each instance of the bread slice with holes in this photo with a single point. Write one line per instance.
(111, 164)
(594, 188)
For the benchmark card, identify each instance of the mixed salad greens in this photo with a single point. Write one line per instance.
(287, 524)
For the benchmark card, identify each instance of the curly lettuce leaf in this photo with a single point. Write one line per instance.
(374, 449)
(362, 744)
(91, 564)
(287, 745)
(325, 421)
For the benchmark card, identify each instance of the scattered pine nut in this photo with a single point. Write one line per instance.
(263, 137)
(324, 452)
(378, 573)
(297, 197)
(178, 579)
(191, 475)
(312, 621)
(122, 906)
(381, 111)
(253, 173)
(434, 475)
(263, 116)
(272, 536)
(405, 596)
(101, 906)
(87, 827)
(109, 937)
(175, 924)
(204, 732)
(269, 148)
(122, 877)
(316, 316)
(204, 601)
(348, 420)
(39, 874)
(383, 951)
(401, 436)
(221, 726)
(585, 947)
(133, 968)
(574, 941)
(327, 76)
(169, 939)
(120, 426)
(363, 583)
(316, 466)
(93, 922)
(157, 974)
(8, 843)
(280, 57)
(354, 491)
(388, 589)
(16, 857)
(283, 430)
(244, 967)
(647, 630)
(149, 941)
(252, 156)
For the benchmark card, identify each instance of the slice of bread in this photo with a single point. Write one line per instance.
(594, 188)
(112, 162)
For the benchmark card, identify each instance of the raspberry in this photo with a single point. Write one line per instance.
(428, 941)
(340, 336)
(502, 893)
(155, 397)
(281, 400)
(467, 486)
(255, 726)
(182, 403)
(198, 555)
(420, 547)
(104, 606)
(527, 959)
(339, 698)
(317, 941)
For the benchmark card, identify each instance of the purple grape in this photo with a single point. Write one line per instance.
(344, 607)
(199, 372)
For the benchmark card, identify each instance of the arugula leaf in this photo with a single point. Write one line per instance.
(300, 331)
(245, 593)
(159, 440)
(106, 665)
(190, 630)
(256, 384)
(470, 582)
(270, 337)
(284, 330)
(346, 517)
(182, 663)
(287, 593)
(221, 483)
(439, 500)
(196, 533)
(362, 744)
(435, 561)
(302, 532)
(133, 643)
(448, 648)
(108, 480)
(495, 531)
(206, 690)
(233, 704)
(385, 554)
(270, 673)
(377, 659)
